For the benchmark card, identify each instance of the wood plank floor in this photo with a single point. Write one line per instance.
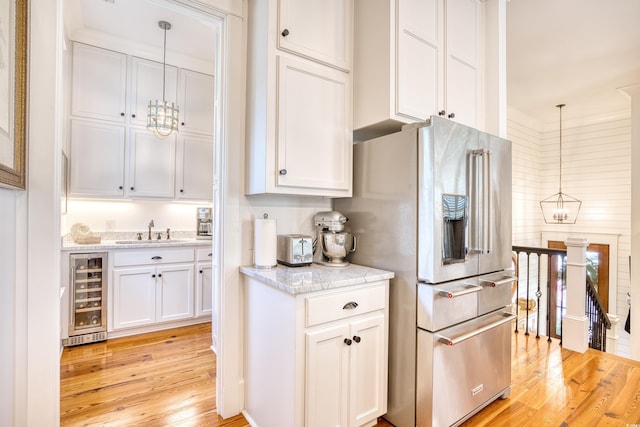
(167, 378)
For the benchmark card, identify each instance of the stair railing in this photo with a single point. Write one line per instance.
(528, 269)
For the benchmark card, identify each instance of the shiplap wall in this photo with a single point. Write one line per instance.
(527, 169)
(596, 168)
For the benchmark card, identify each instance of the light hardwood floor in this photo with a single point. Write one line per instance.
(168, 378)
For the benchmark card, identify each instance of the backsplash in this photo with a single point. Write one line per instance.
(131, 217)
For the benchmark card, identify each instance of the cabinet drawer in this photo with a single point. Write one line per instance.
(204, 254)
(152, 256)
(341, 305)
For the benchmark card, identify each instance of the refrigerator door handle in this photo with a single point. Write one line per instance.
(486, 202)
(480, 188)
(452, 341)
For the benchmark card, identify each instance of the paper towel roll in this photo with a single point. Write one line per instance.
(265, 242)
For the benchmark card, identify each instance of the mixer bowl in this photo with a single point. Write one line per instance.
(336, 246)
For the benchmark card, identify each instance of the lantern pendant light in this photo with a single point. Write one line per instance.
(162, 116)
(560, 208)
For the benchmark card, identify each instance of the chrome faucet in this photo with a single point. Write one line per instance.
(151, 224)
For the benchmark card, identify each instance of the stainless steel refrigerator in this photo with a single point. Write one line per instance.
(432, 203)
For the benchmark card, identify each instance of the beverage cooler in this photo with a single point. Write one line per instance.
(88, 298)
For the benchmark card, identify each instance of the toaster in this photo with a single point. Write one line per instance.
(295, 250)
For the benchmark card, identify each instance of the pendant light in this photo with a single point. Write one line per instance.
(560, 208)
(162, 116)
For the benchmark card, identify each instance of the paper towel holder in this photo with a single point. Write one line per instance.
(266, 235)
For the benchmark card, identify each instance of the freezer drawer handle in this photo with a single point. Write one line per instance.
(457, 340)
(505, 281)
(350, 305)
(468, 290)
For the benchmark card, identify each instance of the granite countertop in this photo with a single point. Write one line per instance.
(296, 280)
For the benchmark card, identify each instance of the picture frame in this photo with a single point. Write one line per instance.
(13, 93)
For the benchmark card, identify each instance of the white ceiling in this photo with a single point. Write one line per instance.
(576, 52)
(135, 23)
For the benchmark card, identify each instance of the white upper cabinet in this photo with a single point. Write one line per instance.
(194, 167)
(112, 153)
(147, 80)
(417, 58)
(463, 75)
(420, 42)
(313, 137)
(96, 159)
(99, 83)
(317, 29)
(299, 98)
(196, 102)
(152, 163)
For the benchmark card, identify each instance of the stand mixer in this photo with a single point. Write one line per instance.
(332, 243)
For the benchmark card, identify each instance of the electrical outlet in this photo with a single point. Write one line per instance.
(110, 225)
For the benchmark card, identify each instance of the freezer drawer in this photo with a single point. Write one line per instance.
(441, 306)
(497, 291)
(470, 364)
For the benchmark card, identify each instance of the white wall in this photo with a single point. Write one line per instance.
(131, 216)
(527, 168)
(596, 168)
(7, 304)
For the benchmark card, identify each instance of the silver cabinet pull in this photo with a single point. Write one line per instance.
(467, 290)
(457, 340)
(505, 281)
(350, 305)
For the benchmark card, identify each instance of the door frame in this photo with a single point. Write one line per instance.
(601, 238)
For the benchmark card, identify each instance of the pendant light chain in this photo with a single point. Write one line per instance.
(162, 117)
(560, 108)
(164, 61)
(560, 208)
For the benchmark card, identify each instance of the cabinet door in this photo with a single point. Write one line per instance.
(175, 292)
(204, 290)
(314, 137)
(327, 376)
(133, 297)
(195, 167)
(96, 166)
(147, 82)
(318, 29)
(419, 58)
(462, 60)
(98, 83)
(196, 102)
(152, 163)
(368, 370)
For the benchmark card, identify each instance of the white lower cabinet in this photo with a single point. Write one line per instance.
(133, 297)
(316, 359)
(204, 283)
(146, 295)
(346, 373)
(151, 288)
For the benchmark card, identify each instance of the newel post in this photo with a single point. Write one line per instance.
(575, 324)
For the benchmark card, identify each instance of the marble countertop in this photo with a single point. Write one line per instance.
(111, 244)
(296, 280)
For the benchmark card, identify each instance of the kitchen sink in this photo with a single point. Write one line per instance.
(145, 242)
